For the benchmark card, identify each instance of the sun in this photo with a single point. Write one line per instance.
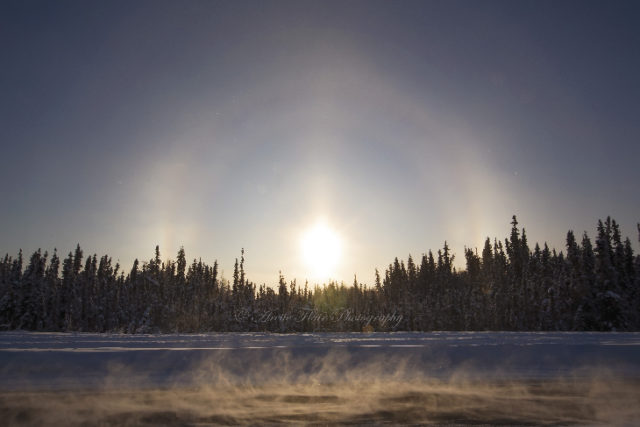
(321, 250)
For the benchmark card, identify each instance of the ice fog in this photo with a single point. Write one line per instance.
(463, 378)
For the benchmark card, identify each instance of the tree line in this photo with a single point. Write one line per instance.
(591, 286)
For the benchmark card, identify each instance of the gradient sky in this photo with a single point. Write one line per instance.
(219, 125)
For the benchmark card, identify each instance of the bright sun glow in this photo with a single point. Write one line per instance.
(321, 250)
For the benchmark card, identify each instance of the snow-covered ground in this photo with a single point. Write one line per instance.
(329, 377)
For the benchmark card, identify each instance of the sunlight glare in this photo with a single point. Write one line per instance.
(321, 250)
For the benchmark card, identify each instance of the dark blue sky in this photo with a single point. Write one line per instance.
(221, 125)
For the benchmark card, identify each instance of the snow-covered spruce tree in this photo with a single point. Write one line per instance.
(607, 299)
(51, 294)
(575, 283)
(635, 295)
(77, 287)
(11, 290)
(536, 290)
(426, 292)
(30, 294)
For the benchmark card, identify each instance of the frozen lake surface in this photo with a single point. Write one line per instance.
(352, 378)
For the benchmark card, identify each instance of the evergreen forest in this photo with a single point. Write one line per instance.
(509, 285)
